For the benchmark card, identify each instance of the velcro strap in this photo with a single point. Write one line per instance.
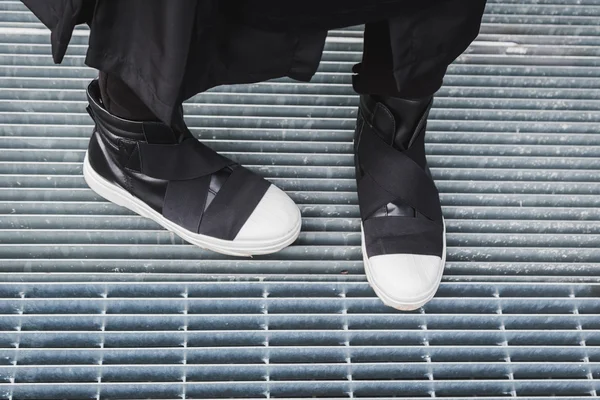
(397, 174)
(233, 204)
(403, 235)
(186, 160)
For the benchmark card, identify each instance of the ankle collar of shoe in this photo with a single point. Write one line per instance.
(396, 106)
(149, 131)
(397, 119)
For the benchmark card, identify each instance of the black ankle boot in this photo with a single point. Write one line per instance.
(403, 229)
(166, 175)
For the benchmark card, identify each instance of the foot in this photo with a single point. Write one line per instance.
(170, 177)
(403, 232)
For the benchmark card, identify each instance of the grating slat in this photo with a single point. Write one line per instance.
(97, 302)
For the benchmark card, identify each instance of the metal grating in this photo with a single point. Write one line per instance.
(99, 303)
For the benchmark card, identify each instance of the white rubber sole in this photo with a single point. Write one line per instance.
(244, 248)
(406, 305)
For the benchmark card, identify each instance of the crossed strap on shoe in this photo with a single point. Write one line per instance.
(188, 166)
(391, 175)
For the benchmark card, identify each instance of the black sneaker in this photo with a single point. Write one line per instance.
(184, 186)
(403, 231)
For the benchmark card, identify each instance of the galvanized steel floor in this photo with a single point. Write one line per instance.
(96, 302)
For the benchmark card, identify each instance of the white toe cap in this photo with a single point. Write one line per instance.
(276, 216)
(405, 281)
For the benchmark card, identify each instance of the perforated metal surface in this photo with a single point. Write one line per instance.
(96, 302)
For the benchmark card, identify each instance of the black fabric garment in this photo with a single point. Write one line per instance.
(121, 101)
(407, 55)
(168, 51)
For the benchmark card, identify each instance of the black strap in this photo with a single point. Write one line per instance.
(186, 160)
(188, 167)
(390, 175)
(185, 201)
(403, 235)
(387, 170)
(368, 191)
(233, 204)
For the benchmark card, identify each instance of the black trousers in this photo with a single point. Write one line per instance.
(403, 40)
(167, 51)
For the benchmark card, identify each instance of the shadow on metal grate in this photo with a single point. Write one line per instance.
(99, 303)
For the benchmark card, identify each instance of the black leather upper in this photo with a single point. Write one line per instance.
(398, 200)
(111, 146)
(114, 141)
(396, 124)
(169, 170)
